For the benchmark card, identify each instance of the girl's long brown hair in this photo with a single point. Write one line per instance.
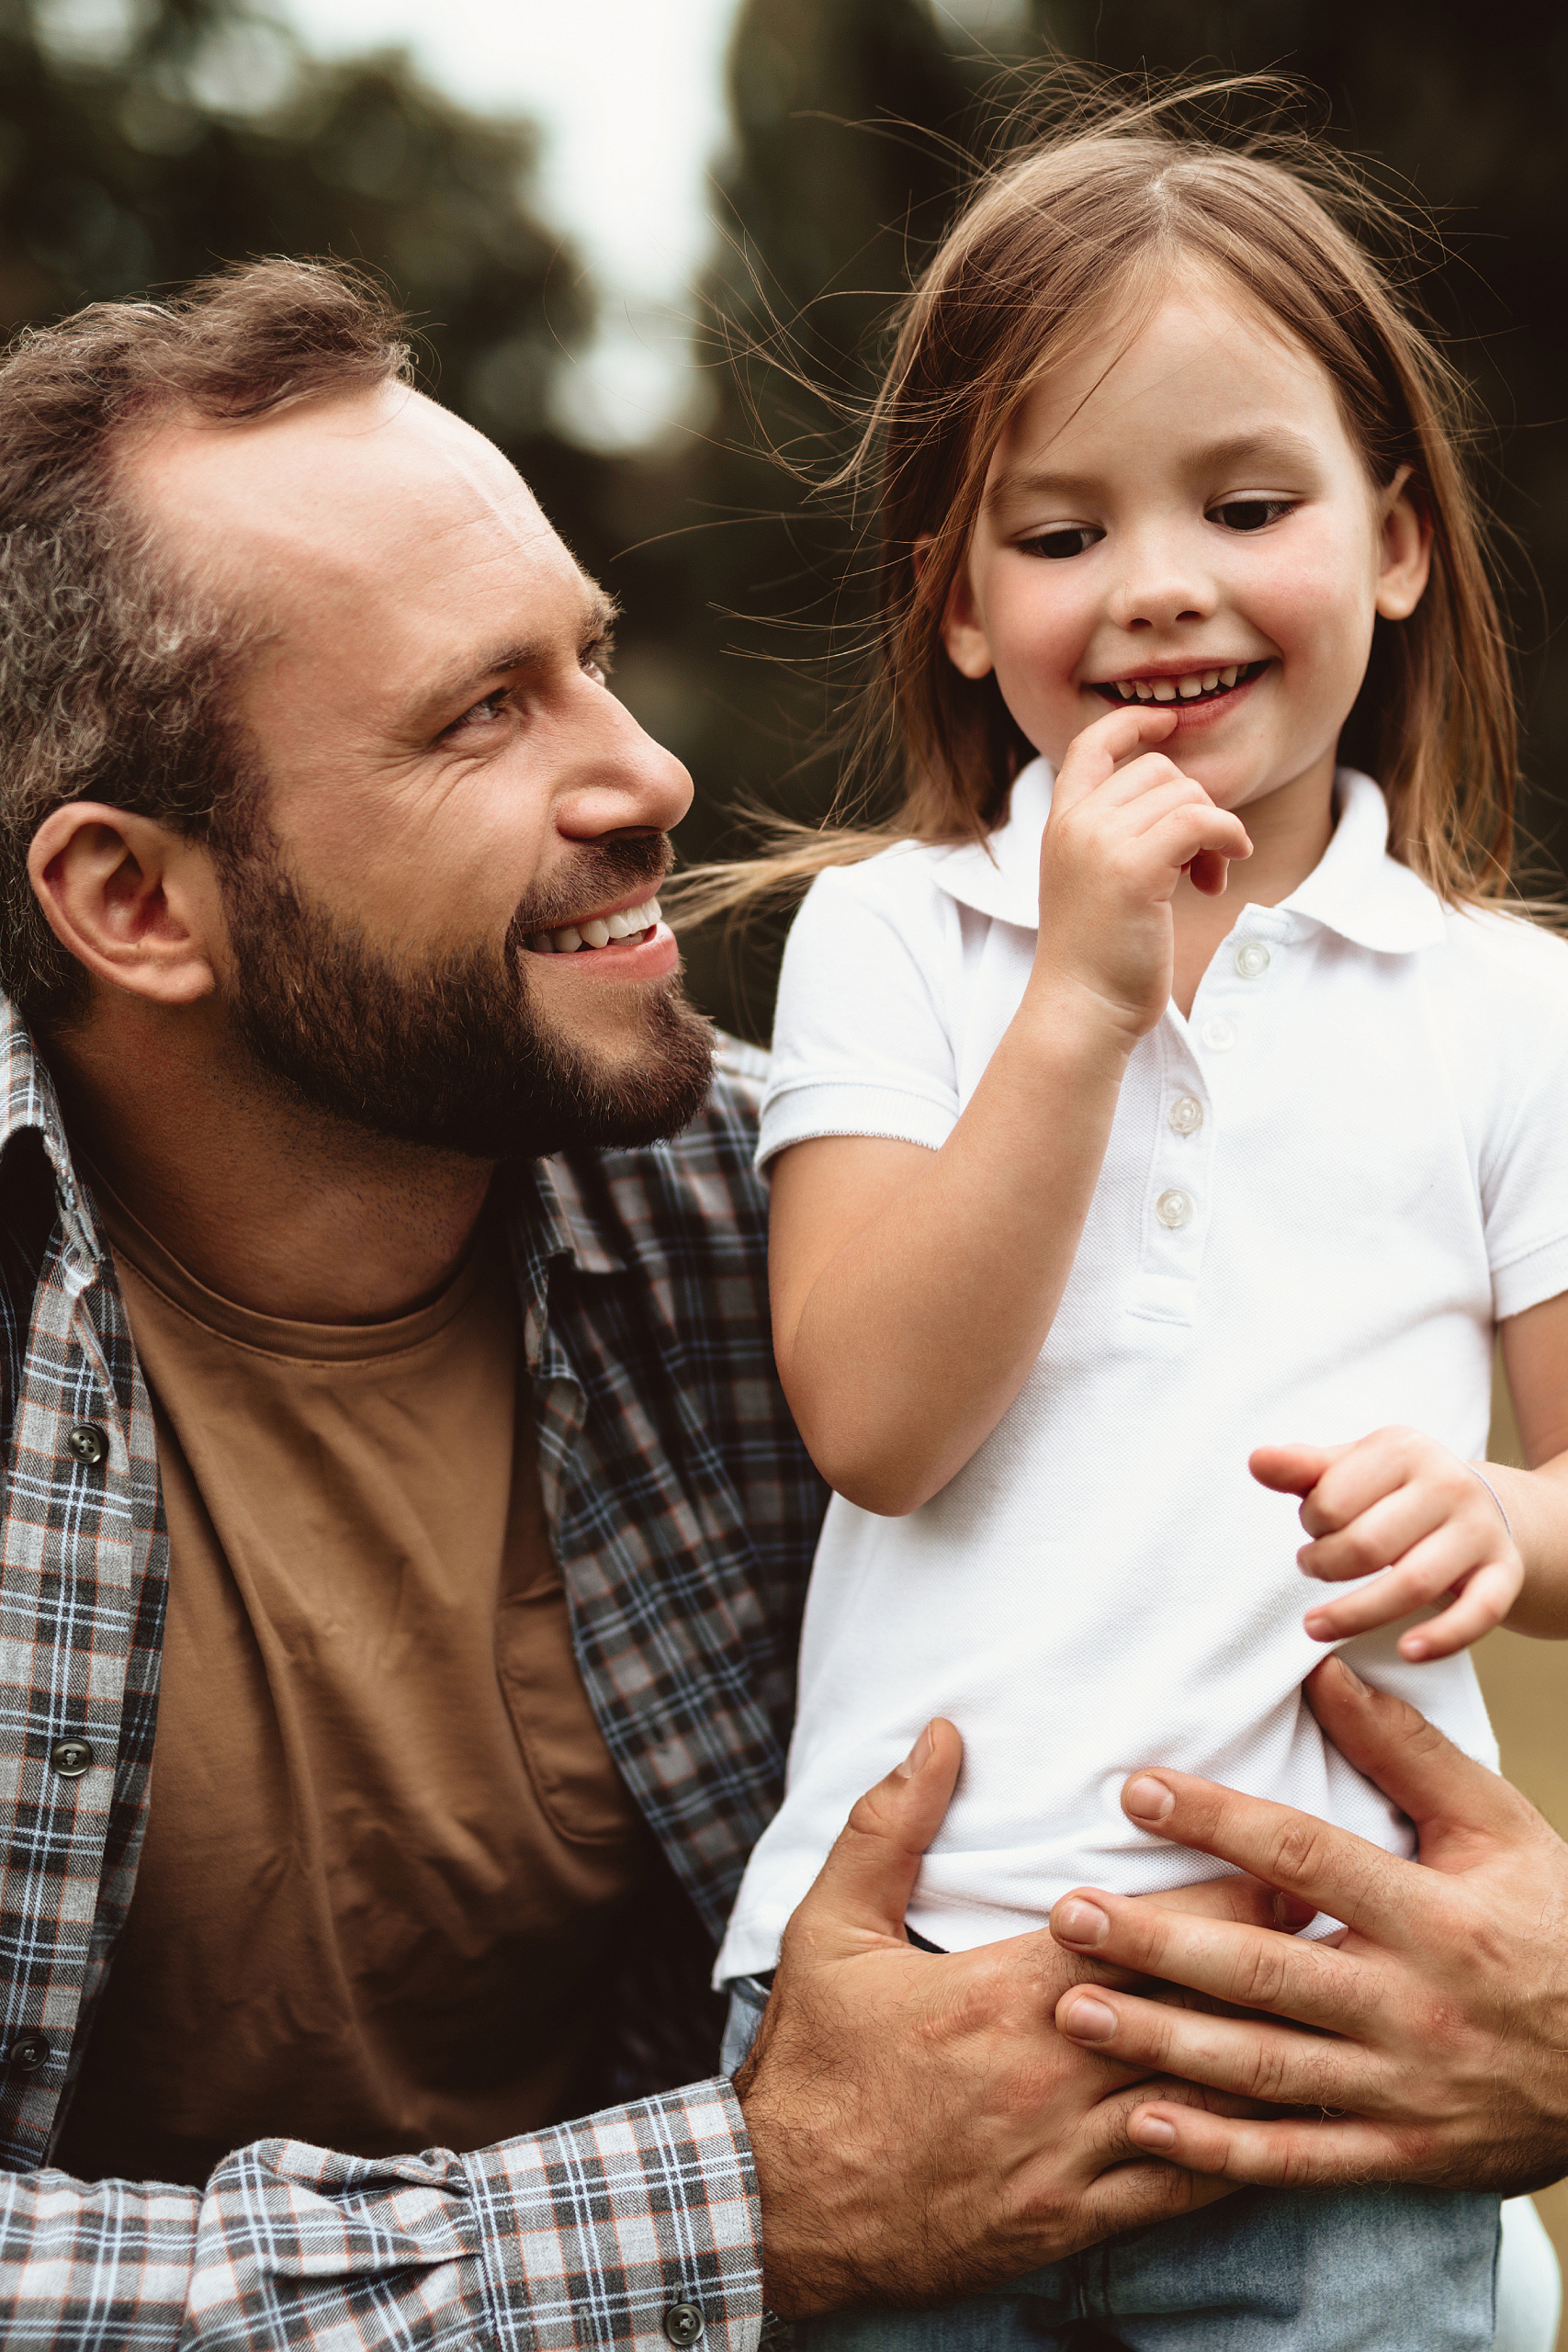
(1089, 225)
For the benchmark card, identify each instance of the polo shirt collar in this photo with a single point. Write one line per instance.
(1356, 888)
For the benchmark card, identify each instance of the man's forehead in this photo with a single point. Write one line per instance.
(343, 485)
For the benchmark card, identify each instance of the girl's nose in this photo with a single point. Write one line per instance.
(1163, 581)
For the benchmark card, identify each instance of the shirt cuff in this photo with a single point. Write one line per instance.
(835, 1107)
(639, 2227)
(1539, 1274)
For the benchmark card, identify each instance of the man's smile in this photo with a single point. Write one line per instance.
(635, 925)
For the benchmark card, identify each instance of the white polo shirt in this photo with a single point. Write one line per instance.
(1320, 1193)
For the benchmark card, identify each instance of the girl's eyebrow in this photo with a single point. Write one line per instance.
(1275, 445)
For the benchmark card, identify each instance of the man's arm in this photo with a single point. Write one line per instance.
(1439, 2041)
(614, 2230)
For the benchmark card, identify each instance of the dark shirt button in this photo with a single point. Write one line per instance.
(683, 2322)
(71, 1758)
(87, 1443)
(32, 2051)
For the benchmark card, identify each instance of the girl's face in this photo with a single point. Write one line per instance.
(1186, 520)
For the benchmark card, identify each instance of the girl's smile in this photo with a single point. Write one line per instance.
(1178, 515)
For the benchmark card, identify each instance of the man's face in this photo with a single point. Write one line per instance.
(447, 780)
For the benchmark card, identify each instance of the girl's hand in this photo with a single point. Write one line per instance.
(1124, 828)
(1401, 1502)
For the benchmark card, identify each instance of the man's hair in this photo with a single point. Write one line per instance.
(113, 666)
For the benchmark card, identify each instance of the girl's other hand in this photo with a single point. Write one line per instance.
(1401, 1502)
(1125, 824)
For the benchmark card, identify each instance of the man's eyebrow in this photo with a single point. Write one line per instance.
(598, 620)
(1275, 444)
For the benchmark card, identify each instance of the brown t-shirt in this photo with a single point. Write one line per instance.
(387, 1854)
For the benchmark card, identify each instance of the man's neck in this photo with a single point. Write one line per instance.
(280, 1207)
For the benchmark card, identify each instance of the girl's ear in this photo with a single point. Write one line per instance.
(962, 632)
(1406, 550)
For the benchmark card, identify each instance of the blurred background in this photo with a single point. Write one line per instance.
(589, 208)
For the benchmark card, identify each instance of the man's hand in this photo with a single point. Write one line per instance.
(920, 2127)
(1399, 1502)
(1439, 2041)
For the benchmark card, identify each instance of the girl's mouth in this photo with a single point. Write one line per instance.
(1193, 686)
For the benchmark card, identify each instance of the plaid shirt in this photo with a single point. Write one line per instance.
(684, 1511)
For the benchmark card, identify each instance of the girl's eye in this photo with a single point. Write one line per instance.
(1073, 538)
(1250, 514)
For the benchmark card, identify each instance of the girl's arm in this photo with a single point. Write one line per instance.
(1401, 1502)
(912, 1290)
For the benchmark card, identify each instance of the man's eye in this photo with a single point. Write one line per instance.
(1073, 538)
(1250, 514)
(483, 714)
(599, 659)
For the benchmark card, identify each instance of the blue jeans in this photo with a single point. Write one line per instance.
(1383, 2268)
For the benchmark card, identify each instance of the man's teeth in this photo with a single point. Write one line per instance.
(598, 932)
(1200, 682)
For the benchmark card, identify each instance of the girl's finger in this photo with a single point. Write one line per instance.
(1418, 1581)
(1182, 833)
(1291, 1469)
(1093, 755)
(1379, 1536)
(1485, 1602)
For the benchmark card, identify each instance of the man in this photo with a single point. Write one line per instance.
(431, 1508)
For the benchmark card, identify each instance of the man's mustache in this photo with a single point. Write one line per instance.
(603, 871)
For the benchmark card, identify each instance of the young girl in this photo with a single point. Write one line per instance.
(1114, 1201)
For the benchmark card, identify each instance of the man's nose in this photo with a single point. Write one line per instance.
(626, 782)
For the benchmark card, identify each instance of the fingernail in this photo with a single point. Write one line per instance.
(1090, 2020)
(1083, 1923)
(1147, 1800)
(918, 1755)
(1351, 1676)
(1152, 2131)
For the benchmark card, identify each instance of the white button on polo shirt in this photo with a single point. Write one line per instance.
(1380, 1170)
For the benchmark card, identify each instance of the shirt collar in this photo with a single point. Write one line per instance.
(1356, 888)
(28, 1099)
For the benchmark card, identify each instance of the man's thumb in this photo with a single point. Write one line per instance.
(863, 1886)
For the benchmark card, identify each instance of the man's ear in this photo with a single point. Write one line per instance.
(968, 648)
(135, 903)
(1406, 550)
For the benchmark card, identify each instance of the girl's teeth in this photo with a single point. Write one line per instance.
(1146, 692)
(1187, 687)
(1165, 690)
(1211, 680)
(1228, 677)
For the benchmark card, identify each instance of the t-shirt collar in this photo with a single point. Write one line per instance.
(1356, 888)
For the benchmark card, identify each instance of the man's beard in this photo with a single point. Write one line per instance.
(453, 1054)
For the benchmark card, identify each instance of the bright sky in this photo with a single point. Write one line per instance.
(629, 94)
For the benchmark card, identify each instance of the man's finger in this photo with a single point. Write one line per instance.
(863, 1887)
(1244, 1967)
(1246, 1900)
(1250, 2059)
(1317, 2152)
(1335, 1870)
(1443, 1791)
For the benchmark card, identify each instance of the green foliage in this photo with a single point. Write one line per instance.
(207, 134)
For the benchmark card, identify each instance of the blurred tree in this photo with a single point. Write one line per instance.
(142, 142)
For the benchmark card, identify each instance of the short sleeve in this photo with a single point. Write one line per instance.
(1523, 1170)
(861, 1046)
